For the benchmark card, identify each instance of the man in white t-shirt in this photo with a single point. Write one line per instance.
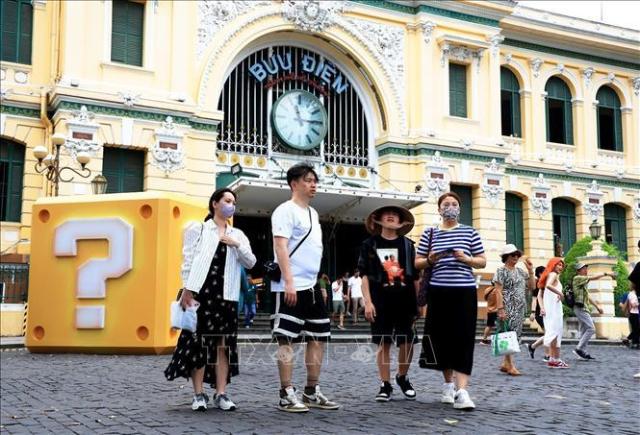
(355, 292)
(338, 301)
(300, 312)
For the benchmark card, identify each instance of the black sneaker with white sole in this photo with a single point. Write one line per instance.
(384, 395)
(406, 387)
(580, 354)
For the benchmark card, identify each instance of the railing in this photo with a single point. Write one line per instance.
(14, 283)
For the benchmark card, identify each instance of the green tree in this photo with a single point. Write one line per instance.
(581, 248)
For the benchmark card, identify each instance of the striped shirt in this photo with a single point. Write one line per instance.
(448, 271)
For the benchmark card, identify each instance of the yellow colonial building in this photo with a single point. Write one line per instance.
(531, 117)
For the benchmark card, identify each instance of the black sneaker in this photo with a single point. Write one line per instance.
(589, 357)
(580, 354)
(406, 387)
(384, 395)
(532, 350)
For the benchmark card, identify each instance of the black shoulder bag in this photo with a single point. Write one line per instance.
(272, 269)
(423, 291)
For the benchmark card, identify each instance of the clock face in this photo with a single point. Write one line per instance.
(299, 120)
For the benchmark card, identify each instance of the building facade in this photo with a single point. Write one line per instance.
(531, 117)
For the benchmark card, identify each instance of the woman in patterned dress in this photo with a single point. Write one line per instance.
(511, 284)
(213, 255)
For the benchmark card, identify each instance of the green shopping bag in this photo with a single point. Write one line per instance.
(504, 342)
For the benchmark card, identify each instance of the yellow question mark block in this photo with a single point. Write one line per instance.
(104, 270)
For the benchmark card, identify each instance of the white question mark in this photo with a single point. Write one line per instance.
(92, 274)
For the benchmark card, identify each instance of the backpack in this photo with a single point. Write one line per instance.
(569, 296)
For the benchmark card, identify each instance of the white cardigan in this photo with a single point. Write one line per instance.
(200, 243)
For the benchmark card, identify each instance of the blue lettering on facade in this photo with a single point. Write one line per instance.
(324, 71)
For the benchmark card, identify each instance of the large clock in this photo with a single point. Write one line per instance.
(299, 120)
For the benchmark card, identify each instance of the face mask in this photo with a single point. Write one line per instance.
(450, 213)
(228, 210)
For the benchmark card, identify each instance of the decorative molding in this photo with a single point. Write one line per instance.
(593, 204)
(437, 176)
(194, 122)
(495, 41)
(535, 66)
(312, 15)
(426, 149)
(540, 199)
(562, 176)
(611, 77)
(213, 15)
(427, 28)
(460, 53)
(466, 143)
(572, 54)
(82, 122)
(636, 210)
(129, 99)
(587, 73)
(384, 43)
(508, 58)
(16, 110)
(492, 186)
(166, 158)
(636, 85)
(429, 9)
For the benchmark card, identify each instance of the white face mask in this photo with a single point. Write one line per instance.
(451, 212)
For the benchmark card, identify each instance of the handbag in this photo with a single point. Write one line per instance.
(272, 269)
(184, 319)
(504, 342)
(423, 290)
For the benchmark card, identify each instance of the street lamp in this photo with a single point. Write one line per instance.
(99, 184)
(595, 229)
(49, 164)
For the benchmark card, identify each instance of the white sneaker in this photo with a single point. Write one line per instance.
(290, 401)
(448, 393)
(318, 400)
(199, 403)
(223, 402)
(463, 401)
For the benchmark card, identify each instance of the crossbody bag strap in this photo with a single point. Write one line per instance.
(305, 237)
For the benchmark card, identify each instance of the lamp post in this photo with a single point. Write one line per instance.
(99, 184)
(595, 230)
(49, 164)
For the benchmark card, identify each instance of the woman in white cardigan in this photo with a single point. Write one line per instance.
(214, 253)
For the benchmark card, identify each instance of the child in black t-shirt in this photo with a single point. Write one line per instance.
(389, 286)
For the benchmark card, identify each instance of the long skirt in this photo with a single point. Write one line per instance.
(450, 329)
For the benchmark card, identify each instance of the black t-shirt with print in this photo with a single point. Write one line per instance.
(385, 262)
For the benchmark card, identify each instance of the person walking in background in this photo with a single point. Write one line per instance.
(450, 326)
(355, 292)
(324, 283)
(491, 296)
(338, 302)
(511, 284)
(582, 308)
(536, 304)
(632, 305)
(552, 311)
(300, 314)
(390, 304)
(249, 298)
(346, 297)
(213, 256)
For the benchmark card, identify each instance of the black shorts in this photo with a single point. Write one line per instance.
(307, 319)
(395, 317)
(491, 319)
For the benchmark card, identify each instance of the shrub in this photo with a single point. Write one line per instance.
(581, 248)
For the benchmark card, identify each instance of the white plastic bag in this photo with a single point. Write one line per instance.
(184, 319)
(505, 343)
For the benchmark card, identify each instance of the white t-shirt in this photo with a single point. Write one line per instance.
(291, 221)
(336, 290)
(355, 285)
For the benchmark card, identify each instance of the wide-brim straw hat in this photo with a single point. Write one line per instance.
(406, 219)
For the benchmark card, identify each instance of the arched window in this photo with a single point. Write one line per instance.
(559, 112)
(615, 227)
(256, 83)
(609, 120)
(11, 176)
(510, 103)
(564, 224)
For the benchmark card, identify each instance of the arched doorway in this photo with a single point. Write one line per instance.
(564, 225)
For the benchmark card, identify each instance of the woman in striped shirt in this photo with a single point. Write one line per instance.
(452, 250)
